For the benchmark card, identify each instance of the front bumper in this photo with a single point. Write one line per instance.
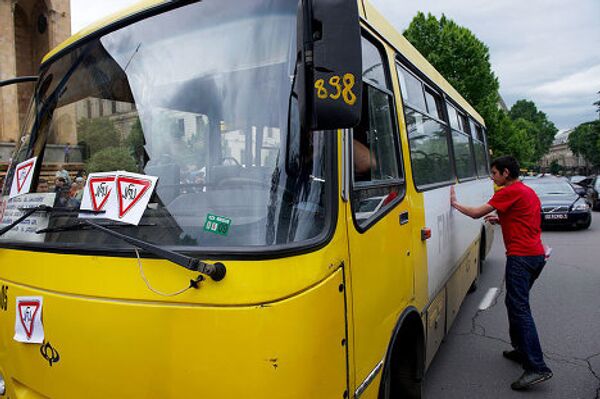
(566, 219)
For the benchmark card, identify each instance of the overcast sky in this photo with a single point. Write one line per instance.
(547, 51)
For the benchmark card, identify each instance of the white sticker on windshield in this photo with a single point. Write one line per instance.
(28, 321)
(26, 231)
(99, 195)
(21, 183)
(123, 196)
(133, 194)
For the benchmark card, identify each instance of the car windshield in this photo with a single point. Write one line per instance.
(554, 188)
(198, 96)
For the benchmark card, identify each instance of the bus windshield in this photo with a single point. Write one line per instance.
(198, 96)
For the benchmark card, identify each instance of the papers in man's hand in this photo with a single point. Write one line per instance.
(547, 252)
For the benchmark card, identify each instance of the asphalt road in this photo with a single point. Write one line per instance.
(566, 306)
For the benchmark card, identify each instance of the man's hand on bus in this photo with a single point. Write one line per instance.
(473, 211)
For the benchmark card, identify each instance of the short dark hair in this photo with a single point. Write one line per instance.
(509, 163)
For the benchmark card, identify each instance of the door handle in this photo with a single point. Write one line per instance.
(404, 217)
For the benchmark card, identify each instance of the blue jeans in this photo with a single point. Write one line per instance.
(521, 273)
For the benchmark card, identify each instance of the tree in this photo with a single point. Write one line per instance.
(511, 138)
(555, 167)
(585, 141)
(465, 62)
(537, 126)
(135, 142)
(111, 159)
(458, 55)
(597, 104)
(97, 134)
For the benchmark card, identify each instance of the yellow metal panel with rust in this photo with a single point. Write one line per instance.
(129, 349)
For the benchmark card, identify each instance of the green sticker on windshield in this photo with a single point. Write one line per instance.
(217, 224)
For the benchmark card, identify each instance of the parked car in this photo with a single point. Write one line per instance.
(592, 186)
(576, 179)
(561, 205)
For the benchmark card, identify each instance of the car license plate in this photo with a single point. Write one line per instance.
(555, 216)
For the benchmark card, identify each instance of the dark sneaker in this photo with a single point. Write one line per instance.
(530, 378)
(513, 355)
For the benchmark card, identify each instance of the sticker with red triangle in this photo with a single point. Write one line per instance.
(133, 194)
(28, 322)
(22, 178)
(99, 194)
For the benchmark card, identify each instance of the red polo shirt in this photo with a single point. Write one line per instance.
(519, 210)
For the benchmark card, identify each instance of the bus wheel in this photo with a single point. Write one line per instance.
(403, 374)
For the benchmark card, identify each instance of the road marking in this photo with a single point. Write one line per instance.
(488, 298)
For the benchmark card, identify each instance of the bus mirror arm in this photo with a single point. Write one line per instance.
(215, 271)
(20, 79)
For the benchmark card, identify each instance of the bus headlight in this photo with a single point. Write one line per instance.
(2, 385)
(581, 206)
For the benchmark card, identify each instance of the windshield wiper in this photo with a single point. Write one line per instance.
(215, 271)
(40, 208)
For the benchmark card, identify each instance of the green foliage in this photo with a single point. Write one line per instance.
(537, 125)
(510, 138)
(458, 55)
(97, 134)
(465, 62)
(135, 142)
(585, 141)
(555, 167)
(110, 159)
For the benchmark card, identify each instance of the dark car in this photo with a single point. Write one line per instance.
(561, 205)
(591, 184)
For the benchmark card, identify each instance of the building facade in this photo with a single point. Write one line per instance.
(28, 30)
(561, 154)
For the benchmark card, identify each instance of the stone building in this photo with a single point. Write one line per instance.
(28, 30)
(563, 156)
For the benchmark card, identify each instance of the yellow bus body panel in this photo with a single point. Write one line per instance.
(289, 348)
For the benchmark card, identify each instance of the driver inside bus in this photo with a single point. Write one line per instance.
(364, 161)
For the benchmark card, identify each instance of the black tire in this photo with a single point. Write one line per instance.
(587, 224)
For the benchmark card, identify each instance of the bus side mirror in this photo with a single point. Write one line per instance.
(329, 72)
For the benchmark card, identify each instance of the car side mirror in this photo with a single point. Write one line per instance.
(580, 191)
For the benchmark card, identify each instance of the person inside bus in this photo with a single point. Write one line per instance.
(364, 161)
(519, 215)
(42, 186)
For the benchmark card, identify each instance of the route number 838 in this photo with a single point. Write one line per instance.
(337, 88)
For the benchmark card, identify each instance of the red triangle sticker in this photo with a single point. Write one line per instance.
(100, 191)
(23, 172)
(27, 312)
(130, 190)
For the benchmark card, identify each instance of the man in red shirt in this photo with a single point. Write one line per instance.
(519, 215)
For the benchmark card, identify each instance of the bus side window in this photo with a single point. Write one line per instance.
(427, 132)
(377, 173)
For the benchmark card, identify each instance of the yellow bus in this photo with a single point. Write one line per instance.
(294, 237)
